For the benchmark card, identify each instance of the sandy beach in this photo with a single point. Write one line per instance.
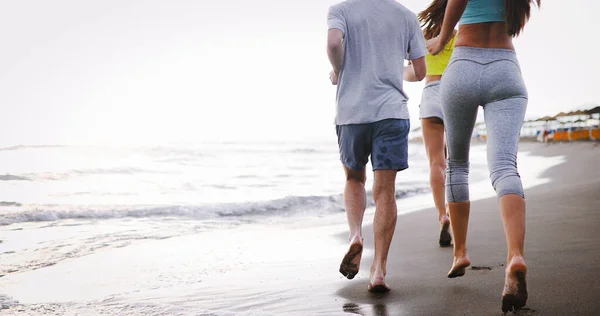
(562, 250)
(291, 268)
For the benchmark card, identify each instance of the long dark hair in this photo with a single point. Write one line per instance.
(432, 17)
(516, 13)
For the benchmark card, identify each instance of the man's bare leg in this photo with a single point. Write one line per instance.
(355, 203)
(384, 224)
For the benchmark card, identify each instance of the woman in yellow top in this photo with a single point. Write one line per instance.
(432, 118)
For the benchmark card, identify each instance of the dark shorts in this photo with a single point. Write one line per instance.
(385, 141)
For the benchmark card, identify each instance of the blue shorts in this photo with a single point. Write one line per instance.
(385, 141)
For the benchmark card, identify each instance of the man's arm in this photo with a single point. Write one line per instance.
(416, 70)
(416, 51)
(336, 22)
(335, 49)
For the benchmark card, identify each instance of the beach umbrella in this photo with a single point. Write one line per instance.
(595, 110)
(528, 127)
(546, 118)
(579, 121)
(561, 114)
(580, 112)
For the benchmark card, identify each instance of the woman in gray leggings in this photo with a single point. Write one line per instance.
(484, 71)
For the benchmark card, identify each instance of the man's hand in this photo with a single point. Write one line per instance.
(333, 76)
(434, 46)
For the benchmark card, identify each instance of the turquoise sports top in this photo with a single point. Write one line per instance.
(480, 11)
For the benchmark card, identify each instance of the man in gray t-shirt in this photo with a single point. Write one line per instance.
(367, 43)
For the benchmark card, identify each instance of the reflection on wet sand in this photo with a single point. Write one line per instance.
(378, 309)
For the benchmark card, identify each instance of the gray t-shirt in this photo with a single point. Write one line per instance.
(378, 36)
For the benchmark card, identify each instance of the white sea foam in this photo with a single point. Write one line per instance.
(163, 250)
(288, 206)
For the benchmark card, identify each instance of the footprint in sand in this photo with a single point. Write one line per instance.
(477, 268)
(525, 311)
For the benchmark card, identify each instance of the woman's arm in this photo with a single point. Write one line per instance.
(454, 10)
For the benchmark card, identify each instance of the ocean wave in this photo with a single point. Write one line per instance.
(305, 150)
(288, 206)
(75, 173)
(10, 177)
(5, 203)
(30, 146)
(85, 193)
(113, 171)
(7, 301)
(247, 176)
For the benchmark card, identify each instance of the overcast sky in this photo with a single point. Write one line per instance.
(148, 71)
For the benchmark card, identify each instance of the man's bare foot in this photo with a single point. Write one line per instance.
(377, 282)
(351, 262)
(445, 237)
(514, 295)
(459, 267)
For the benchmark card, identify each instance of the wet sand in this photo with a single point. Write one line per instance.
(292, 269)
(562, 251)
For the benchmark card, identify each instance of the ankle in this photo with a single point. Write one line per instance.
(356, 239)
(378, 270)
(516, 258)
(460, 253)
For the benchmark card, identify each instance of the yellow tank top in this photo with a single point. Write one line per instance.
(437, 64)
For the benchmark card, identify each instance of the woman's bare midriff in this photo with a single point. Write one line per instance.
(432, 78)
(484, 35)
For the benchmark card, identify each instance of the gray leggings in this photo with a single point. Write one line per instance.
(490, 78)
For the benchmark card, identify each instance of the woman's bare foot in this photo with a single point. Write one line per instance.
(514, 295)
(351, 262)
(379, 288)
(459, 266)
(445, 237)
(377, 281)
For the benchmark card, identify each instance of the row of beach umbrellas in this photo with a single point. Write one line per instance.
(595, 110)
(573, 123)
